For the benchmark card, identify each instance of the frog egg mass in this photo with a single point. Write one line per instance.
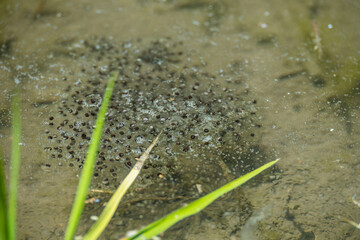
(207, 122)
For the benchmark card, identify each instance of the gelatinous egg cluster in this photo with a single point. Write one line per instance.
(208, 123)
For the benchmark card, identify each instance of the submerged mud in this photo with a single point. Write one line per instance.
(209, 123)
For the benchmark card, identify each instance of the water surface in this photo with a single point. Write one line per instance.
(291, 68)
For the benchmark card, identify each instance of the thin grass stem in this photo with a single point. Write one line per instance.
(3, 204)
(113, 203)
(88, 167)
(15, 164)
(194, 207)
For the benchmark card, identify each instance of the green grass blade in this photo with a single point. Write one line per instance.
(113, 203)
(15, 164)
(3, 204)
(87, 172)
(196, 206)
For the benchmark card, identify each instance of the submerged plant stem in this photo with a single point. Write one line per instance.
(87, 172)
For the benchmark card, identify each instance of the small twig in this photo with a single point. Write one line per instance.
(357, 203)
(226, 171)
(199, 188)
(39, 9)
(153, 199)
(357, 225)
(91, 200)
(317, 39)
(100, 191)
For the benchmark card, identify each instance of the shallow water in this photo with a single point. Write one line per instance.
(293, 74)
